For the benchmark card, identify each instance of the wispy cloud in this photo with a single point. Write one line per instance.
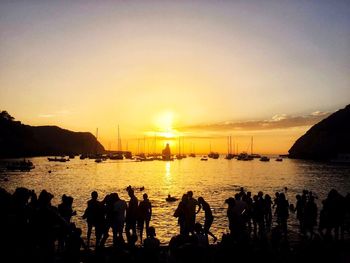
(46, 115)
(278, 121)
(55, 114)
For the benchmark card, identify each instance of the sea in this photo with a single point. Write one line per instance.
(214, 180)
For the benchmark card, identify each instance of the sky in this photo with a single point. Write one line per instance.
(201, 70)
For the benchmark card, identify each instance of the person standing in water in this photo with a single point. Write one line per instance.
(144, 215)
(208, 217)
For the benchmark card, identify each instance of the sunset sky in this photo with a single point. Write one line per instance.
(199, 69)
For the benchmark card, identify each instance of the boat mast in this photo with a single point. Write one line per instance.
(251, 146)
(119, 141)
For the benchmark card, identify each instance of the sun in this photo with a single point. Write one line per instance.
(164, 124)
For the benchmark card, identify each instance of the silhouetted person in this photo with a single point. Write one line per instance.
(131, 217)
(94, 215)
(151, 245)
(119, 211)
(74, 244)
(45, 222)
(191, 212)
(268, 211)
(249, 210)
(66, 211)
(310, 216)
(144, 215)
(109, 202)
(201, 236)
(299, 208)
(230, 214)
(151, 242)
(180, 213)
(282, 211)
(65, 208)
(208, 217)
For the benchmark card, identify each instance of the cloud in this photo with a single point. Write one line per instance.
(56, 113)
(278, 121)
(46, 115)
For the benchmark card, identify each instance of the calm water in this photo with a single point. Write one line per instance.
(215, 180)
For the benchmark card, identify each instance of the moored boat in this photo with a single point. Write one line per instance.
(264, 159)
(22, 166)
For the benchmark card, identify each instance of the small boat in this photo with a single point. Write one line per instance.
(117, 156)
(264, 159)
(229, 156)
(279, 160)
(213, 155)
(62, 159)
(23, 166)
(98, 160)
(244, 157)
(204, 158)
(171, 198)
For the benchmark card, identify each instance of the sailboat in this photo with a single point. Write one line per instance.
(229, 155)
(192, 154)
(97, 157)
(213, 155)
(119, 154)
(179, 156)
(253, 155)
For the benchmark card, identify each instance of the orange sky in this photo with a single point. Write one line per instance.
(199, 69)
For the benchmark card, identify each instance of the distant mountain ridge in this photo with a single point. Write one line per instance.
(326, 139)
(19, 140)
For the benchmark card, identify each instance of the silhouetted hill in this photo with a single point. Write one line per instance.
(326, 139)
(19, 140)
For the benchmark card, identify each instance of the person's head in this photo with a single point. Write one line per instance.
(45, 198)
(64, 198)
(189, 194)
(69, 200)
(277, 194)
(145, 196)
(298, 197)
(267, 197)
(151, 231)
(260, 194)
(230, 201)
(131, 192)
(94, 195)
(200, 200)
(249, 194)
(184, 197)
(237, 196)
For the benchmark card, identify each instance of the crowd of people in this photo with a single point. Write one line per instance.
(45, 229)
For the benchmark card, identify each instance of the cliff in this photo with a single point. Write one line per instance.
(326, 139)
(19, 140)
